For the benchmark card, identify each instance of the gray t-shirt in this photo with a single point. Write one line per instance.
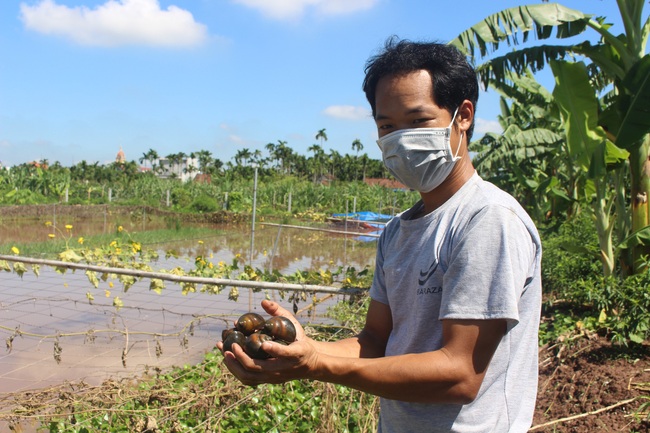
(478, 256)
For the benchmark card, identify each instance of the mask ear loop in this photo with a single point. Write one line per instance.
(460, 141)
(461, 135)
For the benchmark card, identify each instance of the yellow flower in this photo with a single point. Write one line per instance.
(80, 240)
(107, 293)
(113, 244)
(210, 265)
(51, 236)
(200, 242)
(68, 227)
(136, 246)
(120, 228)
(118, 250)
(15, 250)
(48, 223)
(110, 284)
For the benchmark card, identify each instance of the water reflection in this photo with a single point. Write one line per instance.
(52, 304)
(274, 248)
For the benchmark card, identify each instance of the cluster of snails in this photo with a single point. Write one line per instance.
(251, 330)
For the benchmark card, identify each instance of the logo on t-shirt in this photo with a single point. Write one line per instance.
(425, 275)
(424, 278)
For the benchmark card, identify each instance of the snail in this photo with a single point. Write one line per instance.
(280, 328)
(232, 337)
(251, 330)
(253, 345)
(249, 323)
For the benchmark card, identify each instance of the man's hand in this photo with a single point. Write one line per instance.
(295, 361)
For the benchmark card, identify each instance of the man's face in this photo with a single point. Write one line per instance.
(406, 101)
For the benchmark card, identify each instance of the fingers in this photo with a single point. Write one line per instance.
(275, 309)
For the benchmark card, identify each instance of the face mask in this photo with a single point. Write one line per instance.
(420, 158)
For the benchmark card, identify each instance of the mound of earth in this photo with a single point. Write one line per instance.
(591, 385)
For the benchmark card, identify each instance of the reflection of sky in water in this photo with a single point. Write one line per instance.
(54, 305)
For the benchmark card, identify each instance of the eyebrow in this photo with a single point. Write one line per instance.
(415, 110)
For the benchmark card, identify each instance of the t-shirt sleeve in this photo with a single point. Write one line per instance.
(488, 268)
(378, 288)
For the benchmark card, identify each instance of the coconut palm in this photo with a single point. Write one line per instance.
(322, 136)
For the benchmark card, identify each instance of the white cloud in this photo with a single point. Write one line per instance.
(116, 22)
(482, 126)
(294, 9)
(348, 112)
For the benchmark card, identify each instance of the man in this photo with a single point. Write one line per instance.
(450, 340)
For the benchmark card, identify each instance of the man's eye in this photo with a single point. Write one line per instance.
(384, 127)
(420, 120)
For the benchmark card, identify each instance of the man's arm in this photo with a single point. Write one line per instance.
(452, 374)
(370, 342)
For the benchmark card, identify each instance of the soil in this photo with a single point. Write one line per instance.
(590, 385)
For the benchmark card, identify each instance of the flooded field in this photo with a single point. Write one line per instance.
(53, 333)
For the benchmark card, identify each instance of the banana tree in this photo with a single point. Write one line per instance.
(524, 159)
(616, 62)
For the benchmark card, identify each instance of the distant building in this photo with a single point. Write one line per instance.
(121, 157)
(185, 169)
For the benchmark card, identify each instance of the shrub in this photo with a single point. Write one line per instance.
(204, 204)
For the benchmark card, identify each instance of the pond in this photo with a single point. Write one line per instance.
(54, 333)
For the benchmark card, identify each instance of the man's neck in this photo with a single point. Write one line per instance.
(462, 172)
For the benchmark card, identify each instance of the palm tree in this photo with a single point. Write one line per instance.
(357, 146)
(596, 133)
(241, 157)
(205, 159)
(322, 136)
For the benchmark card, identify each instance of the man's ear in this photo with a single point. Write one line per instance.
(465, 116)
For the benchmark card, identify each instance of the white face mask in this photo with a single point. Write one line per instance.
(420, 158)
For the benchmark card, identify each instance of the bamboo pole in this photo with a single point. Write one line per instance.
(292, 287)
(372, 235)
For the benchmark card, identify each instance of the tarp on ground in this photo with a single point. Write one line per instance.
(363, 216)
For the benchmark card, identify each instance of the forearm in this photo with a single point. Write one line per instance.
(359, 346)
(431, 377)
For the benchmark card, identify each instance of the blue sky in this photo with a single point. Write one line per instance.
(80, 79)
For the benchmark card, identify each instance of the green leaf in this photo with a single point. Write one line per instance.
(606, 156)
(639, 237)
(579, 106)
(20, 268)
(503, 26)
(69, 256)
(636, 110)
(92, 277)
(157, 285)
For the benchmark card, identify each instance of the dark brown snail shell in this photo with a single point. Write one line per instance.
(233, 337)
(226, 332)
(280, 328)
(249, 323)
(253, 345)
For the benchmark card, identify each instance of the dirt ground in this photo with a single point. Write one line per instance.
(590, 385)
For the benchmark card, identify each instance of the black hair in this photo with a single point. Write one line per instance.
(453, 78)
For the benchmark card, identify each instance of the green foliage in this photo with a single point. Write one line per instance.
(205, 397)
(579, 298)
(204, 204)
(621, 306)
(181, 198)
(569, 255)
